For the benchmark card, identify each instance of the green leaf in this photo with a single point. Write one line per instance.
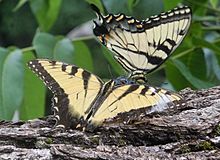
(51, 47)
(168, 4)
(115, 65)
(19, 5)
(44, 44)
(206, 44)
(3, 55)
(214, 3)
(34, 92)
(196, 29)
(195, 59)
(63, 51)
(197, 83)
(12, 82)
(199, 7)
(46, 12)
(215, 66)
(115, 6)
(175, 77)
(204, 18)
(131, 4)
(145, 9)
(82, 56)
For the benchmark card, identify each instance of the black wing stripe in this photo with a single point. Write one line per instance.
(63, 68)
(74, 70)
(122, 58)
(158, 46)
(123, 64)
(151, 59)
(86, 76)
(120, 39)
(144, 90)
(131, 89)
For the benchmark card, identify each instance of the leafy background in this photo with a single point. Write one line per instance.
(62, 30)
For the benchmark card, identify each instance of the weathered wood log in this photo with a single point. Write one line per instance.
(185, 132)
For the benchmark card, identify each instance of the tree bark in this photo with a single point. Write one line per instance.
(191, 131)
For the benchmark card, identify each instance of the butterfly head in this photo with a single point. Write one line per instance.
(123, 81)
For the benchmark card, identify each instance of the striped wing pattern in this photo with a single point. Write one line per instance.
(129, 97)
(74, 89)
(142, 46)
(81, 96)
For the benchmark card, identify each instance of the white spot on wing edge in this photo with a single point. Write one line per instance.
(182, 11)
(171, 14)
(176, 12)
(57, 117)
(60, 126)
(55, 99)
(56, 109)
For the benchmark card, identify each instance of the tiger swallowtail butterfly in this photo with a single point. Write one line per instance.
(142, 46)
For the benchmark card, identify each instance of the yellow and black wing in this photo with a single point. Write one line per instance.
(142, 46)
(129, 97)
(80, 96)
(74, 89)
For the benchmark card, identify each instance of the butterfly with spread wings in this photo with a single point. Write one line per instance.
(82, 98)
(142, 46)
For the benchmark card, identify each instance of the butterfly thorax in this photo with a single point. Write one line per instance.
(139, 78)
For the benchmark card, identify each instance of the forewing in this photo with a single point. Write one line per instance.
(74, 89)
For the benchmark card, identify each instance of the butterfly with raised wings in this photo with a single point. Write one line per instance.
(142, 46)
(82, 98)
